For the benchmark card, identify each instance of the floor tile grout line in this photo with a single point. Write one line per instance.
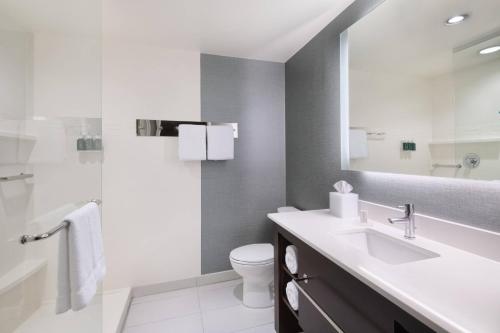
(246, 329)
(161, 299)
(162, 320)
(201, 312)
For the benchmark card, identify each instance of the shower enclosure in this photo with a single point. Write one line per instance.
(50, 151)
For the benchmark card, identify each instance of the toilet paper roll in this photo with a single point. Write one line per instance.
(292, 295)
(291, 261)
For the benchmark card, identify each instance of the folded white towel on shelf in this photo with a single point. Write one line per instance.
(292, 295)
(81, 259)
(291, 261)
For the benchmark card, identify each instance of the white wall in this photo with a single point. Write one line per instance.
(400, 106)
(66, 93)
(16, 87)
(152, 200)
(466, 106)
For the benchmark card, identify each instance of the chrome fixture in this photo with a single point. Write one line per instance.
(408, 220)
(438, 165)
(147, 127)
(472, 160)
(33, 238)
(16, 177)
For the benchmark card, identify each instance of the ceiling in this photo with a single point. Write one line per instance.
(410, 36)
(270, 30)
(259, 29)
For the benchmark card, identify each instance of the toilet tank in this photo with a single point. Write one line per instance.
(287, 209)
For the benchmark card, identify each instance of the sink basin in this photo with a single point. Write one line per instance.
(386, 248)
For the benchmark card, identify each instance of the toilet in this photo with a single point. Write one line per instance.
(254, 263)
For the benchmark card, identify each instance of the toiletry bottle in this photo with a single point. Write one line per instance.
(80, 143)
(89, 143)
(97, 142)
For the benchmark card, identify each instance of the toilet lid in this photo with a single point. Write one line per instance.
(253, 254)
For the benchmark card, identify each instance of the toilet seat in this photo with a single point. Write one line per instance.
(253, 254)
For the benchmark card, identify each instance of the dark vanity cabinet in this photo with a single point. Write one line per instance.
(331, 299)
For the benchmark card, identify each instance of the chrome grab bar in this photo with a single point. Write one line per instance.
(438, 165)
(33, 238)
(16, 177)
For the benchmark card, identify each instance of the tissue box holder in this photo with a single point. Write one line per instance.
(344, 205)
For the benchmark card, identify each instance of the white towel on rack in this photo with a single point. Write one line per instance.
(358, 144)
(192, 142)
(292, 295)
(291, 259)
(220, 142)
(81, 259)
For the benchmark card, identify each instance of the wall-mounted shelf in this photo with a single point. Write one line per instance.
(20, 273)
(16, 136)
(464, 141)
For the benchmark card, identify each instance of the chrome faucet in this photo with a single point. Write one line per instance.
(409, 220)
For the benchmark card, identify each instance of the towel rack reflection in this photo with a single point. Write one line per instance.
(33, 238)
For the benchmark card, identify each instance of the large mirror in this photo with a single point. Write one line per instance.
(421, 89)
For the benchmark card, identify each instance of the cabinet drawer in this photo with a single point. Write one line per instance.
(312, 318)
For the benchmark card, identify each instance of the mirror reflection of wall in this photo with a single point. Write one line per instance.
(423, 92)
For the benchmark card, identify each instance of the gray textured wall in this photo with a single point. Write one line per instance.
(236, 195)
(313, 144)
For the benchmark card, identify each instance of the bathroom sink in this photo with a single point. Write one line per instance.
(384, 247)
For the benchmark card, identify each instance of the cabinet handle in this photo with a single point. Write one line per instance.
(327, 318)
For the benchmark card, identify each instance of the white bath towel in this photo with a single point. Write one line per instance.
(292, 295)
(81, 259)
(291, 261)
(220, 142)
(358, 144)
(192, 142)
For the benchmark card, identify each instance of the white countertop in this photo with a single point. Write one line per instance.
(455, 292)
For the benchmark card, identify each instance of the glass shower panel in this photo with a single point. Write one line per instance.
(476, 77)
(50, 100)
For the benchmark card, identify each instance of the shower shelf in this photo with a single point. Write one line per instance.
(15, 136)
(465, 141)
(20, 273)
(20, 176)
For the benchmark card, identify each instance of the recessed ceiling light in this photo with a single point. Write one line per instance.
(456, 19)
(489, 50)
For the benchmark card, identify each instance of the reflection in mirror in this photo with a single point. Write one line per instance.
(422, 89)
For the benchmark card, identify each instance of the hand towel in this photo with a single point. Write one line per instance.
(192, 142)
(292, 295)
(291, 259)
(220, 141)
(81, 259)
(358, 144)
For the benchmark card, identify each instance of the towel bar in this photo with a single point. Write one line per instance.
(33, 238)
(148, 127)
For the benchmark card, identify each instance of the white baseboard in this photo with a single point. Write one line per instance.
(202, 280)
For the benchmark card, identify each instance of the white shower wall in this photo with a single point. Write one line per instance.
(152, 201)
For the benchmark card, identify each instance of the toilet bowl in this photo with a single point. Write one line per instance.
(254, 263)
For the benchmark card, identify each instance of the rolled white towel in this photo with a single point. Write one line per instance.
(292, 294)
(291, 259)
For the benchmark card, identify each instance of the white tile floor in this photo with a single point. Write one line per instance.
(214, 308)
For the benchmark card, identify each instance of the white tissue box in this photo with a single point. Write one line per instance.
(344, 205)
